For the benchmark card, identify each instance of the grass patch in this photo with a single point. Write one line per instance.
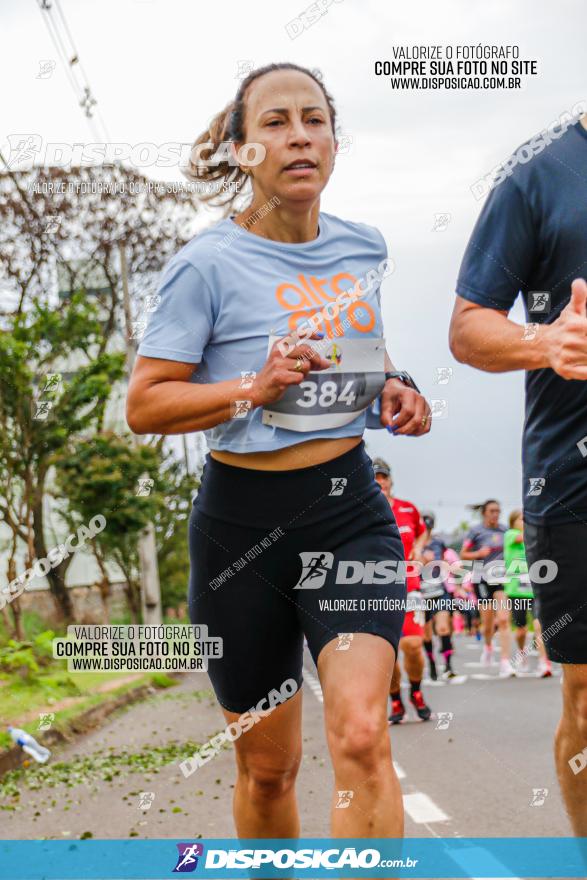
(21, 697)
(101, 766)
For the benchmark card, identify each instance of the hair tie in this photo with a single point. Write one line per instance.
(232, 124)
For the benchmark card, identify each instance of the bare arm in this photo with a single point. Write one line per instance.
(476, 554)
(486, 338)
(162, 400)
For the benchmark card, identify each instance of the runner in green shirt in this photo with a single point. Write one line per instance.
(518, 588)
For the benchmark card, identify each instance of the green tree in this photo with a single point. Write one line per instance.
(109, 475)
(38, 418)
(74, 227)
(130, 485)
(171, 535)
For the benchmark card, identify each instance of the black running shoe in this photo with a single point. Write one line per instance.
(398, 710)
(417, 701)
(433, 672)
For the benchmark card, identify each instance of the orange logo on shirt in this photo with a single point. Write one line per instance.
(309, 296)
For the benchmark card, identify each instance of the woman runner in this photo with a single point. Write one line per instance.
(484, 544)
(519, 589)
(289, 534)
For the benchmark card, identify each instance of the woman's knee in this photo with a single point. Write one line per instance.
(412, 647)
(268, 780)
(361, 736)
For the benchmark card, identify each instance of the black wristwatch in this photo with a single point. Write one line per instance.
(403, 377)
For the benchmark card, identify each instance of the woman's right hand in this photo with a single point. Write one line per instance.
(279, 370)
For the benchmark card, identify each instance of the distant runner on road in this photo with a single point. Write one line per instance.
(413, 534)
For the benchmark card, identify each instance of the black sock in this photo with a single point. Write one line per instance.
(429, 650)
(415, 686)
(446, 648)
(445, 643)
(396, 696)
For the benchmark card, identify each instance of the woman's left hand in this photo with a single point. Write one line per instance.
(403, 410)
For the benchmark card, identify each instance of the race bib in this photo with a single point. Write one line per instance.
(335, 396)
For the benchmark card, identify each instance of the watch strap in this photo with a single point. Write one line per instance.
(404, 377)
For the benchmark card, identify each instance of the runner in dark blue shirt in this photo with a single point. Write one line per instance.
(484, 545)
(531, 238)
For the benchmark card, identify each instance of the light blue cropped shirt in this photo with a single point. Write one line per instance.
(227, 290)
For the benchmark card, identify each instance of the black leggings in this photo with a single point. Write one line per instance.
(267, 549)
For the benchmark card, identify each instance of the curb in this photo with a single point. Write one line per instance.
(14, 757)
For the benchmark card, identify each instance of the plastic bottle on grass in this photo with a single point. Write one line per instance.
(29, 744)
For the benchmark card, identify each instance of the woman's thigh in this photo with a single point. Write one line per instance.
(245, 602)
(363, 587)
(355, 684)
(272, 746)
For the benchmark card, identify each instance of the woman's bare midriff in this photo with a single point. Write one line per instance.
(300, 455)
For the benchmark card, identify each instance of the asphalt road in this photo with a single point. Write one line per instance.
(474, 777)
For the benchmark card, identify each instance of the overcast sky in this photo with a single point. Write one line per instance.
(161, 68)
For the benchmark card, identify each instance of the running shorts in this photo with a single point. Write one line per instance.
(440, 603)
(560, 602)
(485, 591)
(520, 610)
(279, 555)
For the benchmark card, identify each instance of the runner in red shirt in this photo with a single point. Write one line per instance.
(413, 534)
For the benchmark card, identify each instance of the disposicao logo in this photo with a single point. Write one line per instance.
(187, 859)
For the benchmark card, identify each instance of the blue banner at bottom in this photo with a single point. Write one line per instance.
(476, 857)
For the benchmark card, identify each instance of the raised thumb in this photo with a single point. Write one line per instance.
(578, 301)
